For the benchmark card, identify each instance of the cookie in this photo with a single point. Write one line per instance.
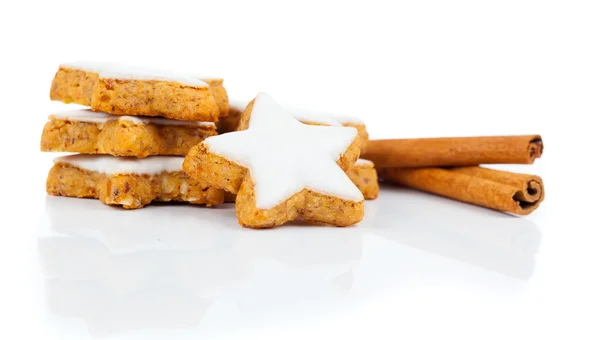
(231, 121)
(364, 176)
(282, 169)
(129, 182)
(314, 117)
(74, 82)
(89, 132)
(129, 90)
(219, 93)
(318, 118)
(359, 125)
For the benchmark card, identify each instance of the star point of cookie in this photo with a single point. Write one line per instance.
(281, 169)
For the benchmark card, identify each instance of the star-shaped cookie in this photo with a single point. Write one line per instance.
(282, 169)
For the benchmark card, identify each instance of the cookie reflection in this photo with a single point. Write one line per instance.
(314, 265)
(120, 273)
(165, 266)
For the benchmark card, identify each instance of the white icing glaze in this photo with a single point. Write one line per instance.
(87, 115)
(285, 156)
(123, 72)
(123, 165)
(165, 121)
(307, 116)
(84, 115)
(130, 72)
(361, 162)
(89, 66)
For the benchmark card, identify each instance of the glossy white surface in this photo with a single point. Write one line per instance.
(184, 268)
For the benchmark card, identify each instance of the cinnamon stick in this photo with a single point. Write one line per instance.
(459, 151)
(501, 190)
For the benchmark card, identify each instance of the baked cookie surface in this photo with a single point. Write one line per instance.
(232, 120)
(89, 132)
(364, 176)
(282, 169)
(130, 90)
(74, 84)
(129, 182)
(219, 93)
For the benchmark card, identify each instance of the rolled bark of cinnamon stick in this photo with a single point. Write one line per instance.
(501, 190)
(459, 151)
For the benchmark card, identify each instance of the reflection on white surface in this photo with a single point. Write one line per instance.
(482, 237)
(170, 267)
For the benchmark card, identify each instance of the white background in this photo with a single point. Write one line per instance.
(409, 69)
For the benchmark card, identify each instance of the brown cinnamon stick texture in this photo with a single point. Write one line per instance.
(460, 151)
(501, 190)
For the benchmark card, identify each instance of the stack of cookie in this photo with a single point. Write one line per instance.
(131, 141)
(141, 122)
